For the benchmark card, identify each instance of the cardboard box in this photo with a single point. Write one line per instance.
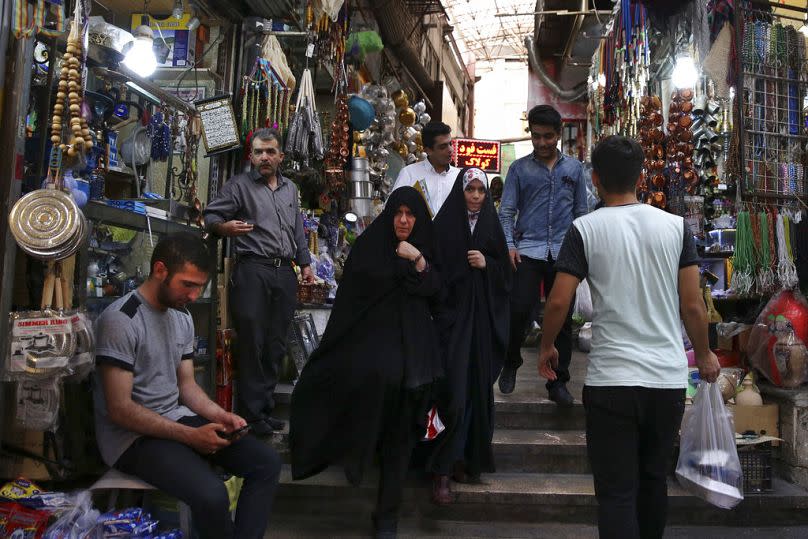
(736, 343)
(181, 41)
(760, 419)
(12, 466)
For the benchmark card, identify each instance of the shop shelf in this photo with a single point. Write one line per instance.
(98, 211)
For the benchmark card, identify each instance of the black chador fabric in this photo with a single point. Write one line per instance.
(378, 351)
(473, 328)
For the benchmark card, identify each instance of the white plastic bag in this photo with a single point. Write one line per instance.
(708, 465)
(76, 523)
(583, 301)
(585, 338)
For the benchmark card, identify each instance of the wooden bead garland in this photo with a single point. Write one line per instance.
(67, 110)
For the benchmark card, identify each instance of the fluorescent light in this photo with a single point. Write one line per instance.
(685, 73)
(145, 93)
(140, 57)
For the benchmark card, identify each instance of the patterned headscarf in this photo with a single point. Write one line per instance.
(471, 175)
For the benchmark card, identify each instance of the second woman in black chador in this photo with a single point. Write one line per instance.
(472, 320)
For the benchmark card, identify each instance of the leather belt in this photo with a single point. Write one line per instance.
(273, 262)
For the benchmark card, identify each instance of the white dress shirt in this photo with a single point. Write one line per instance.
(438, 184)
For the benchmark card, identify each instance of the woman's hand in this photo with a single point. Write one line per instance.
(476, 259)
(407, 251)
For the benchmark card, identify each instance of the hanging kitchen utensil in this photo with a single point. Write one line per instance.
(136, 148)
(305, 137)
(47, 224)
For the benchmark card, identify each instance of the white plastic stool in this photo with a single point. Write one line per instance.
(116, 481)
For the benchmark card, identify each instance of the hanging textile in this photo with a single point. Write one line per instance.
(26, 23)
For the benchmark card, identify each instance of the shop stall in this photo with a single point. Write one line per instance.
(134, 116)
(716, 93)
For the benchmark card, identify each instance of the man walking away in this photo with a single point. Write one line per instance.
(642, 268)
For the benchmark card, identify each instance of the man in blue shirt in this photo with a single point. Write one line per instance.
(544, 192)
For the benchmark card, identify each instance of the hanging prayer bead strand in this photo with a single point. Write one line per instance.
(765, 279)
(786, 270)
(742, 277)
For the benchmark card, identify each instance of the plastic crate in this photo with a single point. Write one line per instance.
(756, 465)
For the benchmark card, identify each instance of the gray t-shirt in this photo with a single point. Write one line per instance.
(132, 335)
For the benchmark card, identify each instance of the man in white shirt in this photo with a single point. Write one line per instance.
(642, 268)
(437, 173)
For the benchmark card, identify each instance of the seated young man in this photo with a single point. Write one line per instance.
(154, 422)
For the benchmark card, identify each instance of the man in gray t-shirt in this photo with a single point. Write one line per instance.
(152, 419)
(151, 344)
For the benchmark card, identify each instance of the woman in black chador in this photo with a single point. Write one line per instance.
(368, 385)
(472, 320)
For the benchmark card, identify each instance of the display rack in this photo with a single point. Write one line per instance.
(773, 83)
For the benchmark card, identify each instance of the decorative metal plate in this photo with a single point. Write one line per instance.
(46, 221)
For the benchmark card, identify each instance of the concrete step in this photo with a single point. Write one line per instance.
(525, 498)
(515, 412)
(526, 408)
(284, 527)
(514, 450)
(540, 451)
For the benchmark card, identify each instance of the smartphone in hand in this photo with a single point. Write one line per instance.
(236, 434)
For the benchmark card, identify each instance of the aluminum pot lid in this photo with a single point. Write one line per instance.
(45, 219)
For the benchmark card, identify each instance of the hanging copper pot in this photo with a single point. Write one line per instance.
(686, 94)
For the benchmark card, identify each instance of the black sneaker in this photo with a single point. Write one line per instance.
(275, 424)
(507, 380)
(387, 529)
(261, 428)
(560, 395)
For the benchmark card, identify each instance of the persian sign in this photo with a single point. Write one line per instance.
(482, 154)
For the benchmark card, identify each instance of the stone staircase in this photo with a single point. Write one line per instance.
(542, 487)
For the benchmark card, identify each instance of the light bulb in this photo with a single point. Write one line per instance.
(140, 57)
(685, 73)
(177, 11)
(602, 80)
